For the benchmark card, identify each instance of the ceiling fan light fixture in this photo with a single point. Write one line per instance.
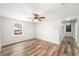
(35, 20)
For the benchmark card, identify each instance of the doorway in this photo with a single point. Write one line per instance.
(69, 28)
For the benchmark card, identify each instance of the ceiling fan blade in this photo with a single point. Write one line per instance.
(39, 19)
(42, 17)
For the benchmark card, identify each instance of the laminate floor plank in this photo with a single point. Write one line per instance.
(38, 47)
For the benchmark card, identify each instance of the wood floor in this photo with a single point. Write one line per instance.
(33, 47)
(68, 47)
(37, 47)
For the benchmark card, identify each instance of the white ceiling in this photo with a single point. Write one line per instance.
(22, 11)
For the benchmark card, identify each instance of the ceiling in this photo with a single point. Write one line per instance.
(21, 11)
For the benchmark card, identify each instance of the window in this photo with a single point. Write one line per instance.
(18, 29)
(68, 28)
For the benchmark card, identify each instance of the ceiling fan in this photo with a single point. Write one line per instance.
(37, 17)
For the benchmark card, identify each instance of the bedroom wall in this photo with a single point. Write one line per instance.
(48, 30)
(0, 32)
(8, 31)
(78, 31)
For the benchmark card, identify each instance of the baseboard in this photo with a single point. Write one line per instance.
(6, 45)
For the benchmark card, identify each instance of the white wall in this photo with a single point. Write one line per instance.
(0, 32)
(78, 32)
(61, 32)
(48, 30)
(8, 31)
